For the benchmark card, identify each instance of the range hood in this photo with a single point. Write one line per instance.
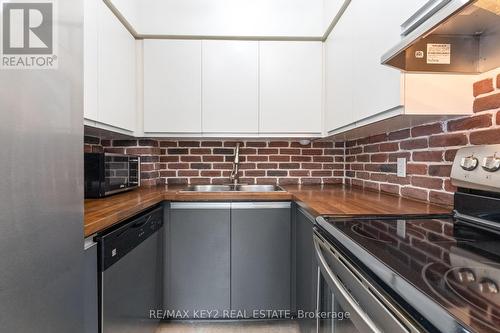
(449, 36)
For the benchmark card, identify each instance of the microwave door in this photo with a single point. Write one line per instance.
(117, 173)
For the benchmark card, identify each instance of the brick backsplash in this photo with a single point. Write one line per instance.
(92, 144)
(210, 161)
(370, 162)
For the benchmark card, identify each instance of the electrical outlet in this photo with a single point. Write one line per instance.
(401, 228)
(402, 167)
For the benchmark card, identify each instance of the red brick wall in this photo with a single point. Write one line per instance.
(92, 144)
(429, 149)
(210, 161)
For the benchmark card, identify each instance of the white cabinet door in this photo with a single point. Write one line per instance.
(230, 86)
(172, 86)
(291, 81)
(90, 59)
(378, 29)
(339, 67)
(117, 72)
(357, 85)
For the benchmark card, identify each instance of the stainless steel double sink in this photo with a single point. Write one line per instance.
(233, 188)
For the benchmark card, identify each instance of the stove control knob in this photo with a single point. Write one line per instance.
(466, 276)
(487, 286)
(469, 163)
(491, 163)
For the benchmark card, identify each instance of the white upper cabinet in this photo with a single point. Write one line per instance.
(222, 87)
(291, 87)
(230, 84)
(339, 80)
(382, 85)
(117, 72)
(357, 85)
(172, 86)
(251, 88)
(90, 59)
(376, 30)
(109, 70)
(360, 90)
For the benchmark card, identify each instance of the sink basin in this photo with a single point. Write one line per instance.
(233, 188)
(209, 188)
(259, 188)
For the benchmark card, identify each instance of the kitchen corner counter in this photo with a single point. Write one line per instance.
(100, 214)
(347, 200)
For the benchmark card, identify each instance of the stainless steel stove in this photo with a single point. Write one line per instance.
(422, 273)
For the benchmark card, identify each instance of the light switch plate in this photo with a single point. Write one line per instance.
(402, 167)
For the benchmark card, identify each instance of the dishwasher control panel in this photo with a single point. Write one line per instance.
(116, 243)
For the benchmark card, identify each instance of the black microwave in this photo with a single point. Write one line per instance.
(107, 173)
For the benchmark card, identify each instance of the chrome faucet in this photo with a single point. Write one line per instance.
(234, 177)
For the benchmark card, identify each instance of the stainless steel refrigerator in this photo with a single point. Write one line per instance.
(41, 180)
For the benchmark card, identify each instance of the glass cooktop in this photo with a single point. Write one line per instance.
(454, 267)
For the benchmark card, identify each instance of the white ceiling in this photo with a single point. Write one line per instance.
(282, 18)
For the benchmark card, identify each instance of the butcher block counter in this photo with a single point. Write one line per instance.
(101, 214)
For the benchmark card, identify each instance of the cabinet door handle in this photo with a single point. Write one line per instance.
(200, 205)
(139, 223)
(260, 205)
(422, 15)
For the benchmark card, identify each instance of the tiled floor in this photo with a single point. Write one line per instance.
(230, 327)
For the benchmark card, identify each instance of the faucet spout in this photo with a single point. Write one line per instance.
(234, 177)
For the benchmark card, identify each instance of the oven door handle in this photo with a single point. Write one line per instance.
(363, 322)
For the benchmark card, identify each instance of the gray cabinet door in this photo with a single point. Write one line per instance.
(198, 257)
(306, 269)
(260, 257)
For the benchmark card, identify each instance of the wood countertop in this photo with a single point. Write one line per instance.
(100, 214)
(346, 200)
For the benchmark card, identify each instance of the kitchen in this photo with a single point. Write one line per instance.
(272, 166)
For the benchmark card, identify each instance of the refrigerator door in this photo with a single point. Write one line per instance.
(41, 182)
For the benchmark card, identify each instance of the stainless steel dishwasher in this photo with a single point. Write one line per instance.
(130, 274)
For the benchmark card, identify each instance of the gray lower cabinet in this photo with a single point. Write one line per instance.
(198, 257)
(260, 257)
(228, 256)
(90, 311)
(306, 269)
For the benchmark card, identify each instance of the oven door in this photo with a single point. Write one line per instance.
(348, 302)
(331, 316)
